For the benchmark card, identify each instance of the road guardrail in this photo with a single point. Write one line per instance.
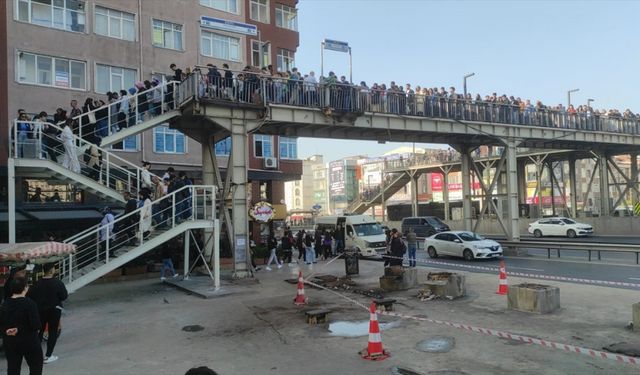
(588, 247)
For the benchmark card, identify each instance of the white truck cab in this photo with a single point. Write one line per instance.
(361, 232)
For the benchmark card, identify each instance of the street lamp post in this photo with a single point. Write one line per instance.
(569, 96)
(589, 102)
(465, 82)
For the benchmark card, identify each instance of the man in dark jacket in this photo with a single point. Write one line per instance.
(286, 247)
(397, 248)
(49, 293)
(131, 223)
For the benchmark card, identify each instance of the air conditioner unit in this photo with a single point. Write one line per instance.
(270, 163)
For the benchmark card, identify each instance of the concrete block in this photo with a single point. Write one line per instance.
(445, 284)
(391, 283)
(636, 316)
(535, 298)
(410, 278)
(394, 271)
(398, 278)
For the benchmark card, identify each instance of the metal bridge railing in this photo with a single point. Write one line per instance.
(45, 141)
(98, 243)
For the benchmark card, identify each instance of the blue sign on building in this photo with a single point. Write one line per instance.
(227, 25)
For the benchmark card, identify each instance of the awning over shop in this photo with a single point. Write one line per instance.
(33, 251)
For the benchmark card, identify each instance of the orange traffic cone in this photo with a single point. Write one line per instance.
(374, 351)
(503, 288)
(300, 297)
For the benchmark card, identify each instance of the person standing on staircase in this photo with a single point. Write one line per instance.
(49, 293)
(106, 232)
(145, 213)
(145, 175)
(130, 223)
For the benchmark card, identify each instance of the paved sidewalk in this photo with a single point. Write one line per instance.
(137, 328)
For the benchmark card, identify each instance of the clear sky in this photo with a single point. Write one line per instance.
(532, 49)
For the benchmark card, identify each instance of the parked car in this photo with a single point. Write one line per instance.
(424, 226)
(559, 226)
(468, 245)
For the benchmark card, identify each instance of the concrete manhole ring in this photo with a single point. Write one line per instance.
(447, 372)
(193, 328)
(437, 344)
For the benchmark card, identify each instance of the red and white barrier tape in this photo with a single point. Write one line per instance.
(597, 354)
(527, 275)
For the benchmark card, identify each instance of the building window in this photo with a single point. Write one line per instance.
(260, 58)
(286, 17)
(167, 35)
(288, 148)
(262, 146)
(129, 144)
(285, 60)
(58, 14)
(230, 6)
(220, 46)
(51, 71)
(223, 147)
(168, 141)
(115, 24)
(259, 10)
(114, 78)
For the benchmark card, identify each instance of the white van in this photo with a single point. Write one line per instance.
(361, 232)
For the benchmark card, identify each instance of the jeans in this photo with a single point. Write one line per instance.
(412, 255)
(311, 255)
(273, 257)
(167, 263)
(22, 139)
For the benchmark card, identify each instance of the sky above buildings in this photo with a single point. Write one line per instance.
(536, 50)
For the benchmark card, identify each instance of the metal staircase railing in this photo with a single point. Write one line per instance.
(43, 142)
(124, 237)
(110, 118)
(366, 203)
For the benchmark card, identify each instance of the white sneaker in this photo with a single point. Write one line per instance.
(53, 358)
(268, 268)
(279, 266)
(163, 278)
(176, 275)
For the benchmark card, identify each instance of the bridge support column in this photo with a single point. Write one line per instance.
(512, 191)
(634, 178)
(414, 195)
(208, 178)
(603, 168)
(239, 184)
(445, 191)
(574, 187)
(465, 155)
(522, 181)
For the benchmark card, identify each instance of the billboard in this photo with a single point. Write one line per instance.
(337, 178)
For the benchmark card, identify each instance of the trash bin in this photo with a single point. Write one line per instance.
(351, 265)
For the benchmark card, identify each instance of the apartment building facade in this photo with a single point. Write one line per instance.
(56, 51)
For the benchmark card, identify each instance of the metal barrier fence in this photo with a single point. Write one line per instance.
(590, 248)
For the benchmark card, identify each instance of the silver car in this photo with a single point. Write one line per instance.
(468, 245)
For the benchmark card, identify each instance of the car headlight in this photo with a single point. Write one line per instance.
(367, 244)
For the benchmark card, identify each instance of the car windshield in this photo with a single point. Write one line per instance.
(434, 221)
(568, 221)
(369, 229)
(470, 236)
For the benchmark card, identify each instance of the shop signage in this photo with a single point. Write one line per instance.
(262, 212)
(227, 25)
(336, 45)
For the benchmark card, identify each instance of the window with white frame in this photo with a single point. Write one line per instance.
(58, 14)
(230, 6)
(115, 23)
(167, 35)
(51, 71)
(262, 146)
(259, 10)
(288, 148)
(168, 141)
(128, 144)
(220, 46)
(286, 17)
(285, 60)
(113, 78)
(223, 147)
(260, 58)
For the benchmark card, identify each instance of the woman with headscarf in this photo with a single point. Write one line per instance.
(146, 213)
(70, 158)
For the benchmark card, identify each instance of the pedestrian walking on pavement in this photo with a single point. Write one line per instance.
(310, 256)
(273, 245)
(302, 253)
(287, 245)
(167, 262)
(412, 245)
(49, 293)
(20, 324)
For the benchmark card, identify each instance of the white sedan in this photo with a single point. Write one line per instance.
(559, 226)
(468, 245)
